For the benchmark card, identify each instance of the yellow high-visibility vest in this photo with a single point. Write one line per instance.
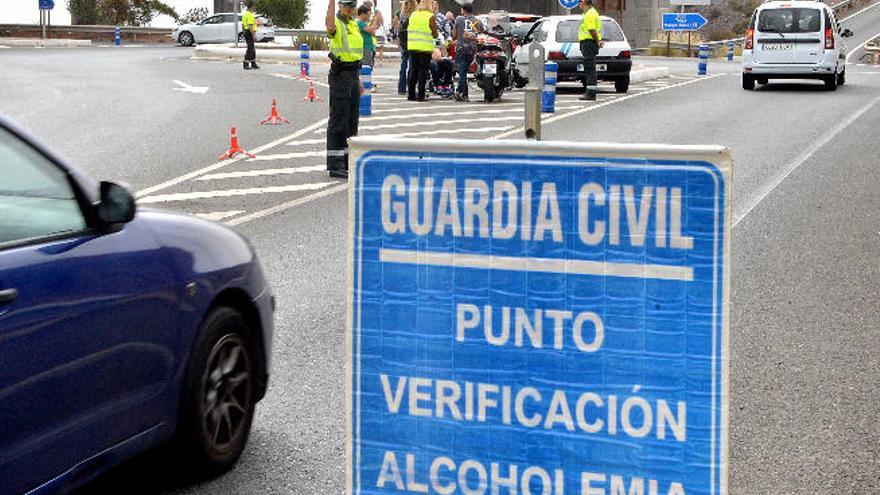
(247, 21)
(591, 21)
(419, 38)
(347, 43)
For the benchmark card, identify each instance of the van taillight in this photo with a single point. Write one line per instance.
(829, 39)
(625, 54)
(750, 39)
(556, 56)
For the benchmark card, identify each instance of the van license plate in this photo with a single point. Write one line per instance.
(777, 47)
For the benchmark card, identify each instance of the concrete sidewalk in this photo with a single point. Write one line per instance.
(42, 43)
(276, 53)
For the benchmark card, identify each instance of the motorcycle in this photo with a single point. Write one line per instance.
(494, 54)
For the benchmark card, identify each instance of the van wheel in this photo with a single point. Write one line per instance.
(621, 85)
(841, 78)
(831, 83)
(748, 82)
(218, 400)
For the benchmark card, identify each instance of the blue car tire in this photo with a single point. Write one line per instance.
(219, 394)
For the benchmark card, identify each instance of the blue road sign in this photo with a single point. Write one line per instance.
(537, 318)
(569, 4)
(47, 4)
(683, 22)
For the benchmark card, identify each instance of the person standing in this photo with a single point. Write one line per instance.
(367, 31)
(346, 54)
(249, 29)
(465, 34)
(409, 6)
(421, 33)
(590, 37)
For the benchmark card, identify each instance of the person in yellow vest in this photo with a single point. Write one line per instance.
(249, 29)
(346, 55)
(590, 37)
(421, 32)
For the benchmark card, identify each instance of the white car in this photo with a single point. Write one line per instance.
(220, 28)
(794, 40)
(559, 36)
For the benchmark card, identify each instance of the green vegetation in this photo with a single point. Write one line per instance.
(118, 12)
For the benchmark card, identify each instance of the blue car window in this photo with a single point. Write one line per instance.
(36, 198)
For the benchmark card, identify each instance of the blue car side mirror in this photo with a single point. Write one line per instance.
(117, 205)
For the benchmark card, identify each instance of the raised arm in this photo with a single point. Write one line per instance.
(330, 20)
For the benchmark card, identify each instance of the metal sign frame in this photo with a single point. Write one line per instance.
(713, 163)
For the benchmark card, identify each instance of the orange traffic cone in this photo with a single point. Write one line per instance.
(235, 148)
(274, 118)
(312, 96)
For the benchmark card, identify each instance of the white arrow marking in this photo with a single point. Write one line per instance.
(190, 89)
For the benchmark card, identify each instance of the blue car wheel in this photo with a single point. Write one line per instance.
(219, 394)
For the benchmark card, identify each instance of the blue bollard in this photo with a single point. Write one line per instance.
(304, 60)
(548, 97)
(117, 36)
(704, 60)
(367, 97)
(730, 45)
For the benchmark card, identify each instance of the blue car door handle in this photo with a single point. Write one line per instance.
(8, 295)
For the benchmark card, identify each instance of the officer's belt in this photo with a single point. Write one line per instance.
(347, 65)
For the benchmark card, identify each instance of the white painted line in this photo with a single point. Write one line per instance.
(219, 215)
(297, 78)
(590, 108)
(797, 162)
(210, 168)
(186, 88)
(307, 142)
(428, 124)
(290, 204)
(437, 132)
(449, 104)
(862, 46)
(447, 113)
(167, 198)
(544, 265)
(288, 156)
(263, 172)
(869, 7)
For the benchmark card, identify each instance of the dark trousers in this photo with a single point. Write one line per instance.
(404, 65)
(443, 75)
(463, 59)
(250, 55)
(345, 98)
(590, 49)
(419, 66)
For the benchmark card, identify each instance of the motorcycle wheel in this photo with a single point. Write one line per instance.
(489, 94)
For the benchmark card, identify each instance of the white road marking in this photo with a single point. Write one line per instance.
(307, 142)
(436, 132)
(800, 160)
(447, 113)
(288, 156)
(590, 108)
(219, 215)
(186, 88)
(210, 168)
(297, 78)
(263, 172)
(425, 124)
(290, 204)
(869, 7)
(168, 198)
(862, 46)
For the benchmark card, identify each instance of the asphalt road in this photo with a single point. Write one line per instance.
(805, 349)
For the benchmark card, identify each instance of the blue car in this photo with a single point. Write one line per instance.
(120, 329)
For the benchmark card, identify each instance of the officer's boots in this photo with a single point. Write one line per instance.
(247, 65)
(254, 65)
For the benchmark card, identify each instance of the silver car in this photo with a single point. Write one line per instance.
(220, 28)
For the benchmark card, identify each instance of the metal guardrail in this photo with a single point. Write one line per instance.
(87, 29)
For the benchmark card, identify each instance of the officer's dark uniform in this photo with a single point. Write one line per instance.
(346, 53)
(248, 25)
(590, 48)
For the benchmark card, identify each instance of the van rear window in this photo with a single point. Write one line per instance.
(567, 31)
(804, 20)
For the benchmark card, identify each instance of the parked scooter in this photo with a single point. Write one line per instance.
(494, 53)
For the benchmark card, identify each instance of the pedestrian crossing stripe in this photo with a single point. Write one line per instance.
(219, 215)
(264, 172)
(174, 197)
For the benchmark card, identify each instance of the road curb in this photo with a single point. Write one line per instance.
(47, 43)
(274, 54)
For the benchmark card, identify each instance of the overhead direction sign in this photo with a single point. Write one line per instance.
(569, 4)
(690, 21)
(47, 4)
(537, 318)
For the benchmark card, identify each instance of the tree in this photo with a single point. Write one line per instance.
(118, 12)
(195, 15)
(286, 13)
(84, 11)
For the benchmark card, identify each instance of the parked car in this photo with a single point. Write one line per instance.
(559, 36)
(794, 40)
(221, 28)
(120, 328)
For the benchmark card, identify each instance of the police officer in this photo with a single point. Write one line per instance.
(590, 37)
(346, 54)
(249, 29)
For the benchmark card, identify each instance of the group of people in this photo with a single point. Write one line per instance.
(435, 44)
(428, 40)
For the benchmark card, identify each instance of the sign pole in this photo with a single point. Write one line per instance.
(668, 43)
(235, 9)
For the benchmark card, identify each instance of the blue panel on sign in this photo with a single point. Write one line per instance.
(47, 4)
(569, 4)
(541, 321)
(683, 21)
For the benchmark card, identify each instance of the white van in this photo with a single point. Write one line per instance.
(794, 40)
